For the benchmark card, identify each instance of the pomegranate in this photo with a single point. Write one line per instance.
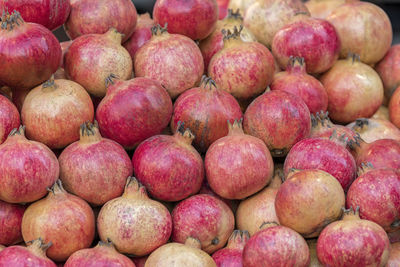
(31, 51)
(371, 129)
(231, 255)
(64, 49)
(354, 90)
(32, 255)
(195, 19)
(18, 97)
(276, 245)
(223, 8)
(243, 69)
(169, 166)
(364, 29)
(382, 113)
(88, 17)
(394, 236)
(133, 111)
(312, 246)
(342, 243)
(40, 168)
(52, 112)
(206, 189)
(203, 217)
(241, 5)
(9, 118)
(389, 70)
(102, 255)
(182, 62)
(176, 254)
(265, 18)
(92, 58)
(394, 256)
(10, 223)
(322, 8)
(135, 223)
(94, 168)
(141, 34)
(394, 108)
(295, 80)
(205, 111)
(2, 247)
(139, 261)
(278, 118)
(238, 165)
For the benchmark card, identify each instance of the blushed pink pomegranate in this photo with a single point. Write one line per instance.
(342, 243)
(276, 245)
(238, 165)
(205, 110)
(389, 70)
(195, 19)
(182, 62)
(278, 118)
(41, 169)
(394, 108)
(31, 51)
(315, 40)
(62, 218)
(203, 217)
(9, 118)
(133, 111)
(372, 129)
(169, 166)
(10, 223)
(223, 8)
(295, 80)
(92, 58)
(322, 8)
(94, 168)
(206, 189)
(394, 257)
(231, 255)
(135, 223)
(141, 34)
(88, 17)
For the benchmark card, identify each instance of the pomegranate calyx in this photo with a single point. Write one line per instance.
(296, 64)
(356, 143)
(114, 35)
(158, 30)
(236, 127)
(229, 35)
(351, 214)
(50, 83)
(361, 124)
(207, 81)
(234, 14)
(108, 243)
(56, 188)
(184, 135)
(38, 246)
(364, 168)
(321, 119)
(134, 189)
(215, 241)
(238, 239)
(89, 132)
(353, 57)
(342, 140)
(193, 242)
(110, 79)
(18, 131)
(266, 225)
(8, 21)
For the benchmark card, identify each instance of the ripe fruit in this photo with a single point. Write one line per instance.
(372, 129)
(141, 34)
(231, 255)
(10, 223)
(389, 70)
(394, 108)
(9, 118)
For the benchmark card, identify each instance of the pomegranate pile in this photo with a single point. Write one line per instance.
(210, 133)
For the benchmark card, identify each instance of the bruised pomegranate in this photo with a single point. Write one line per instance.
(295, 80)
(62, 218)
(9, 118)
(278, 118)
(135, 223)
(94, 168)
(389, 70)
(40, 168)
(141, 34)
(203, 217)
(343, 243)
(231, 255)
(394, 257)
(10, 223)
(394, 108)
(182, 62)
(371, 129)
(322, 8)
(205, 110)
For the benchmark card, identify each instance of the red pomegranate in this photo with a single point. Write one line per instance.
(139, 261)
(223, 8)
(205, 110)
(206, 189)
(135, 223)
(10, 223)
(169, 166)
(141, 34)
(276, 245)
(94, 168)
(62, 218)
(99, 16)
(31, 51)
(295, 80)
(389, 70)
(364, 29)
(182, 62)
(54, 111)
(64, 48)
(232, 254)
(313, 39)
(278, 118)
(322, 8)
(203, 217)
(32, 255)
(394, 108)
(354, 90)
(102, 255)
(9, 118)
(40, 168)
(238, 165)
(394, 256)
(342, 243)
(372, 129)
(92, 58)
(195, 19)
(244, 69)
(133, 111)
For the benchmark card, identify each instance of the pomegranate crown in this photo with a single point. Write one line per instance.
(39, 243)
(8, 21)
(365, 167)
(110, 79)
(342, 138)
(184, 132)
(207, 81)
(228, 34)
(293, 60)
(353, 56)
(320, 118)
(361, 123)
(88, 128)
(234, 14)
(356, 141)
(17, 131)
(158, 30)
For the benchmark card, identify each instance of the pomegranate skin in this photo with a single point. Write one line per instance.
(232, 254)
(88, 17)
(141, 34)
(9, 118)
(133, 111)
(372, 129)
(313, 39)
(278, 118)
(195, 19)
(382, 113)
(41, 168)
(394, 108)
(2, 247)
(389, 70)
(10, 223)
(394, 257)
(203, 217)
(321, 9)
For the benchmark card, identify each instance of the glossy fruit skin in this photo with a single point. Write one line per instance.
(195, 19)
(394, 257)
(141, 35)
(278, 118)
(322, 9)
(10, 223)
(389, 70)
(9, 118)
(133, 111)
(88, 17)
(232, 254)
(313, 39)
(394, 108)
(372, 129)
